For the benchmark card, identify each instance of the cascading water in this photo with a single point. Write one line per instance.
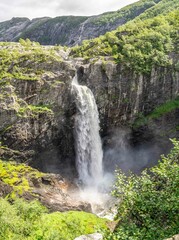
(94, 184)
(88, 145)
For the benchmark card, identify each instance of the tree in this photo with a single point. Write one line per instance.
(148, 207)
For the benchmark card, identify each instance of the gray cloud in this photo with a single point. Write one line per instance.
(52, 8)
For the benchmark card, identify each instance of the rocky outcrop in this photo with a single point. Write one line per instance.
(69, 30)
(52, 190)
(56, 194)
(123, 94)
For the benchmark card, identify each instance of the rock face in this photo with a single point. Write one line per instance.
(5, 189)
(55, 193)
(37, 115)
(69, 30)
(122, 95)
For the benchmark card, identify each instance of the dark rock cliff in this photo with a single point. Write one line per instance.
(122, 97)
(36, 116)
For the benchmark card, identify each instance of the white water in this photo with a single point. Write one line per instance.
(94, 185)
(88, 145)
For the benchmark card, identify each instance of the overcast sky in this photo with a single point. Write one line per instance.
(53, 8)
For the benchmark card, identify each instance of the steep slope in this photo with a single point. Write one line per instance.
(138, 44)
(70, 30)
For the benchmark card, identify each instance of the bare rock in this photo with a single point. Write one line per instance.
(5, 189)
(54, 192)
(94, 236)
(175, 237)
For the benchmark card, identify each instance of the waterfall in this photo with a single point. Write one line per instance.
(88, 145)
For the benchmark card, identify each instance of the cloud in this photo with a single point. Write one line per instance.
(53, 8)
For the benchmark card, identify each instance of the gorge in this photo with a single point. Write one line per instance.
(77, 122)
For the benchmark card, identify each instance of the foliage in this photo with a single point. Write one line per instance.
(163, 7)
(139, 44)
(163, 109)
(22, 220)
(24, 61)
(126, 13)
(33, 110)
(17, 176)
(148, 207)
(17, 221)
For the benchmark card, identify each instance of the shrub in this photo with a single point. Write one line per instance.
(22, 220)
(148, 206)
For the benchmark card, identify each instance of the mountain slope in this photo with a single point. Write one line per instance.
(70, 30)
(142, 43)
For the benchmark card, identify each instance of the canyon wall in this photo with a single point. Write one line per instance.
(43, 135)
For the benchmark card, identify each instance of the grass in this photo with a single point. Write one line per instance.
(34, 110)
(157, 112)
(164, 108)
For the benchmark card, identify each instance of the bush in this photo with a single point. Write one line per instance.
(22, 220)
(138, 44)
(148, 206)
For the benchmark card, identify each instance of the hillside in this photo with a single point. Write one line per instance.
(142, 43)
(70, 30)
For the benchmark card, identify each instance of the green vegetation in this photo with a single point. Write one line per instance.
(163, 7)
(17, 176)
(24, 61)
(30, 221)
(126, 13)
(139, 44)
(148, 207)
(33, 110)
(163, 109)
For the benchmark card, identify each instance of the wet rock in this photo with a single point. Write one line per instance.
(55, 193)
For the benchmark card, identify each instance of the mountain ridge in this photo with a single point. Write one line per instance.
(70, 30)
